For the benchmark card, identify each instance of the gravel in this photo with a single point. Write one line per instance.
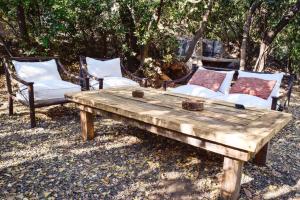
(51, 161)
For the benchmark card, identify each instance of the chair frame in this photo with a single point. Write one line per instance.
(11, 75)
(285, 97)
(84, 73)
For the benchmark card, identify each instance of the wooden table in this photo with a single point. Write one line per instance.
(238, 135)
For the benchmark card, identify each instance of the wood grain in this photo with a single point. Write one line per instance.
(248, 130)
(197, 142)
(231, 182)
(87, 125)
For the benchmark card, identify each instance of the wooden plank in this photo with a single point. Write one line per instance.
(143, 110)
(87, 125)
(197, 142)
(261, 157)
(246, 137)
(213, 111)
(231, 181)
(261, 131)
(213, 59)
(217, 106)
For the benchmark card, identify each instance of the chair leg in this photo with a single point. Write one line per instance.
(31, 106)
(32, 117)
(10, 105)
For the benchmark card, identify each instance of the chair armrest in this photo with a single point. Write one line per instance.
(285, 96)
(86, 74)
(68, 73)
(142, 81)
(180, 80)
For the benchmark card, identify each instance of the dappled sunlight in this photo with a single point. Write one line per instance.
(154, 112)
(281, 190)
(246, 179)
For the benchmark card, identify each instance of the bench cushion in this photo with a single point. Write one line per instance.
(195, 90)
(37, 71)
(109, 82)
(48, 90)
(107, 68)
(207, 78)
(225, 86)
(276, 76)
(253, 86)
(246, 100)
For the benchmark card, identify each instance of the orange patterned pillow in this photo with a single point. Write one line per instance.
(253, 86)
(208, 79)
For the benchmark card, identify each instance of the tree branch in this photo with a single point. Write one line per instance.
(199, 32)
(287, 17)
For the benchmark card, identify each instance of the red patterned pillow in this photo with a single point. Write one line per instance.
(253, 86)
(208, 79)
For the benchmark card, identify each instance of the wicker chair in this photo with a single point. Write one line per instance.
(39, 83)
(107, 81)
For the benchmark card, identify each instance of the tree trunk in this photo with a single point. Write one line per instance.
(128, 23)
(246, 30)
(155, 21)
(22, 22)
(199, 32)
(263, 54)
(269, 36)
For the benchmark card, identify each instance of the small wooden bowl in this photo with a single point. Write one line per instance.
(193, 105)
(138, 93)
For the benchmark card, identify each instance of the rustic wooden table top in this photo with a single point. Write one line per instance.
(220, 122)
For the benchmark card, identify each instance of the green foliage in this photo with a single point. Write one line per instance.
(108, 28)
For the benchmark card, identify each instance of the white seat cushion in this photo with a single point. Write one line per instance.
(195, 90)
(276, 76)
(48, 90)
(246, 100)
(109, 82)
(37, 71)
(107, 68)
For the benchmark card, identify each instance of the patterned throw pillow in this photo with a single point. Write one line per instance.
(253, 86)
(208, 79)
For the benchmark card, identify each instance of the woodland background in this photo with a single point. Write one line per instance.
(264, 34)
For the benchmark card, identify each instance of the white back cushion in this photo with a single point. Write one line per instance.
(276, 76)
(225, 86)
(107, 68)
(37, 71)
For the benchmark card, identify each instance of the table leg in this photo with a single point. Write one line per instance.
(231, 182)
(87, 125)
(262, 156)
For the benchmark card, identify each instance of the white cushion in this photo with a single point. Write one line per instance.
(37, 71)
(225, 86)
(276, 76)
(246, 100)
(195, 90)
(48, 90)
(103, 69)
(109, 82)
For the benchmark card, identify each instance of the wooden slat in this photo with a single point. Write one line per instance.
(211, 104)
(143, 110)
(197, 142)
(263, 130)
(212, 111)
(249, 136)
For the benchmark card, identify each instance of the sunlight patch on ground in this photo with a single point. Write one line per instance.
(277, 192)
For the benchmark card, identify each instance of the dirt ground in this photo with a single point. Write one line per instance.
(51, 161)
